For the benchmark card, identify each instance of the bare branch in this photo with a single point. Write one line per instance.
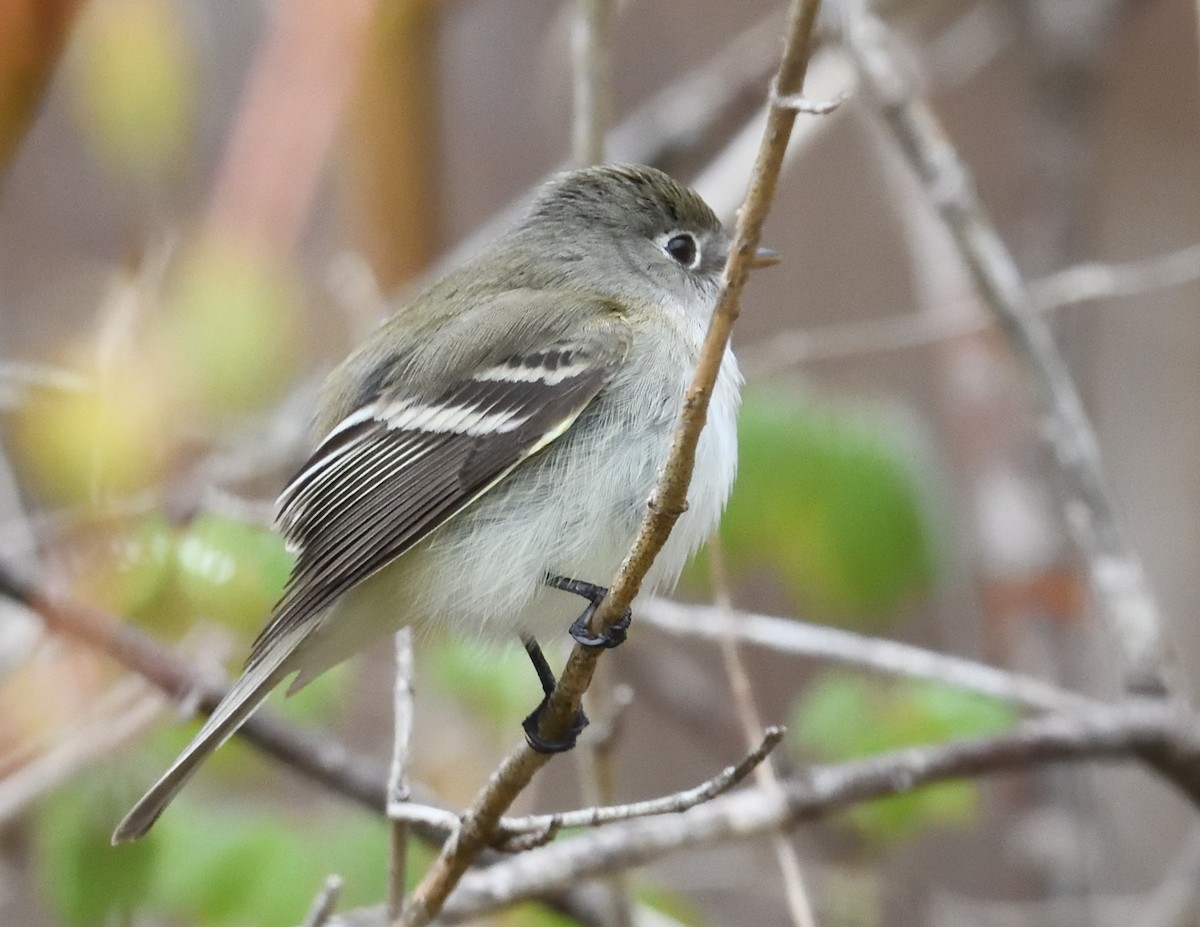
(794, 890)
(512, 829)
(515, 772)
(1114, 567)
(1107, 733)
(787, 635)
(1096, 280)
(1070, 287)
(323, 905)
(591, 58)
(719, 784)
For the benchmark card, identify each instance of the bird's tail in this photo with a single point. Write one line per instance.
(238, 704)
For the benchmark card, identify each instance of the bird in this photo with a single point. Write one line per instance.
(486, 456)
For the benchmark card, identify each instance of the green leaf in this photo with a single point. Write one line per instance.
(223, 869)
(86, 880)
(828, 501)
(134, 85)
(132, 568)
(845, 717)
(232, 571)
(229, 331)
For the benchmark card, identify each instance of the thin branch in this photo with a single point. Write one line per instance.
(1116, 733)
(511, 828)
(1079, 284)
(398, 788)
(518, 768)
(316, 756)
(719, 784)
(1097, 280)
(1114, 567)
(323, 905)
(794, 890)
(878, 654)
(591, 57)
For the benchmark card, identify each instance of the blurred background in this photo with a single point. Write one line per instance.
(205, 203)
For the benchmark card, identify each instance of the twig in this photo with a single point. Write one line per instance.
(795, 892)
(323, 905)
(719, 784)
(786, 635)
(591, 57)
(1114, 567)
(1097, 280)
(518, 768)
(1114, 733)
(511, 828)
(1080, 284)
(398, 789)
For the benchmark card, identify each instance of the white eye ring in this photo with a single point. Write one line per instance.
(682, 248)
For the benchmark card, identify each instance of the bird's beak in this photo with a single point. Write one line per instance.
(766, 257)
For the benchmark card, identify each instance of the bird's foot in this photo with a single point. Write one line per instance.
(561, 745)
(612, 636)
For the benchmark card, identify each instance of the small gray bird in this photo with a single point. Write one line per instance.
(488, 453)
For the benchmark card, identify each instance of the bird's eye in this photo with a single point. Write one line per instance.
(682, 248)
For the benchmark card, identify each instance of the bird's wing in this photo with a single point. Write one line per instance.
(400, 465)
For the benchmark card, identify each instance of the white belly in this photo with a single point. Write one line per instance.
(574, 512)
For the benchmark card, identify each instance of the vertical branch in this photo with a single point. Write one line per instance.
(794, 891)
(506, 783)
(398, 789)
(1115, 570)
(591, 57)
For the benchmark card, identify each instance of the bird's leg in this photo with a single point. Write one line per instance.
(530, 724)
(612, 636)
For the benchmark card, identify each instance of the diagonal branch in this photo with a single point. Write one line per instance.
(1114, 567)
(1113, 733)
(480, 821)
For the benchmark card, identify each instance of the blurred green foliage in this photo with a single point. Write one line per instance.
(131, 575)
(79, 445)
(134, 85)
(844, 717)
(829, 502)
(229, 335)
(207, 865)
(231, 571)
